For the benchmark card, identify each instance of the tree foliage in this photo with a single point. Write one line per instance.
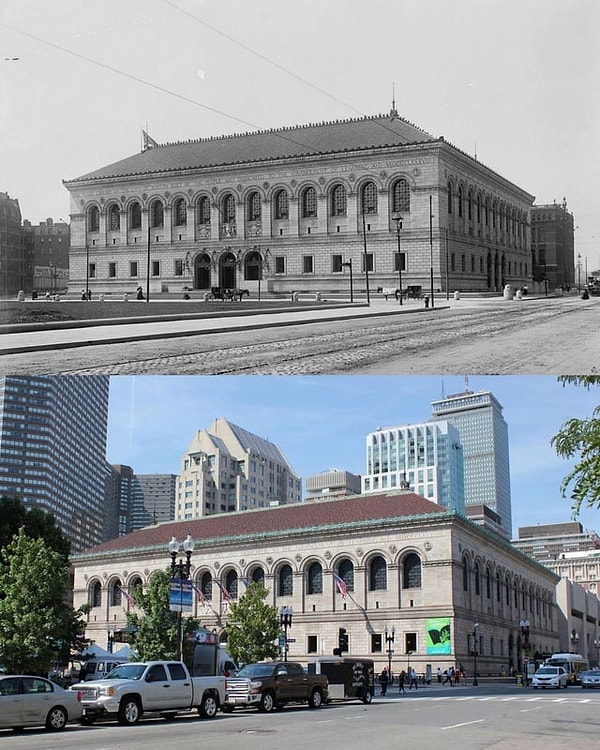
(580, 439)
(35, 522)
(253, 627)
(155, 628)
(37, 626)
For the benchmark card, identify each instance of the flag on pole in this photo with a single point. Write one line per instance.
(128, 598)
(226, 595)
(199, 595)
(341, 584)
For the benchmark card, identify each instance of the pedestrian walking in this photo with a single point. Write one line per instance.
(383, 681)
(439, 675)
(413, 679)
(401, 681)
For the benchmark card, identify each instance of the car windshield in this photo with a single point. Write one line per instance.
(126, 672)
(547, 670)
(256, 670)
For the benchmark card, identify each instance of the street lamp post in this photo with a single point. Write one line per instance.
(524, 625)
(87, 271)
(348, 264)
(578, 272)
(390, 634)
(399, 219)
(475, 648)
(180, 571)
(285, 620)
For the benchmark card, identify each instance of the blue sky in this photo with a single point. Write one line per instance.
(322, 421)
(514, 81)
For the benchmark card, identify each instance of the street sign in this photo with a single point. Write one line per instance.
(180, 595)
(291, 640)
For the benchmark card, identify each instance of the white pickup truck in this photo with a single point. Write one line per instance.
(136, 689)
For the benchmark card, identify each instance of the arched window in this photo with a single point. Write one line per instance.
(488, 584)
(254, 207)
(477, 578)
(346, 573)
(282, 210)
(401, 196)
(498, 588)
(258, 576)
(203, 210)
(231, 583)
(229, 209)
(460, 201)
(115, 594)
(180, 212)
(95, 594)
(157, 216)
(94, 219)
(465, 574)
(136, 583)
(449, 198)
(285, 581)
(479, 209)
(470, 206)
(369, 198)
(378, 574)
(135, 216)
(309, 202)
(252, 267)
(206, 585)
(114, 217)
(338, 201)
(507, 592)
(411, 571)
(314, 579)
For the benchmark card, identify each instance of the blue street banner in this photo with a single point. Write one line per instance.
(438, 639)
(180, 595)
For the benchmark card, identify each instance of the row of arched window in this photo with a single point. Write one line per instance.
(486, 211)
(226, 206)
(376, 579)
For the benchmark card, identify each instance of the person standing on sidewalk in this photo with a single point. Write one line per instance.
(401, 681)
(383, 681)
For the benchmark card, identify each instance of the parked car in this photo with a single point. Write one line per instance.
(590, 679)
(546, 676)
(27, 701)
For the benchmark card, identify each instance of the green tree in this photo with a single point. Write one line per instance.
(253, 627)
(36, 523)
(37, 626)
(580, 439)
(155, 630)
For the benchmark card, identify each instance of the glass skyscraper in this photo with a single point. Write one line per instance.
(53, 432)
(484, 437)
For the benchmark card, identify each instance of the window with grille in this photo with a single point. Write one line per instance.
(401, 196)
(309, 203)
(135, 216)
(178, 267)
(157, 214)
(229, 209)
(346, 573)
(460, 202)
(281, 205)
(114, 218)
(94, 219)
(412, 571)
(378, 574)
(338, 201)
(252, 267)
(285, 581)
(314, 579)
(465, 574)
(449, 198)
(231, 583)
(204, 210)
(254, 207)
(180, 213)
(115, 594)
(95, 596)
(258, 576)
(369, 198)
(112, 270)
(367, 262)
(206, 585)
(307, 264)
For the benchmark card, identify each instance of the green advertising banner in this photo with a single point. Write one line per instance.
(438, 636)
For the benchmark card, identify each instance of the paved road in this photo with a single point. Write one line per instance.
(461, 718)
(543, 336)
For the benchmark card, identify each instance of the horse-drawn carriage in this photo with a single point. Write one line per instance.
(221, 293)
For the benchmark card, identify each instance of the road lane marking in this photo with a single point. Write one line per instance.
(463, 724)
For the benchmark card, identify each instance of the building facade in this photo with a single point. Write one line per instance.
(158, 493)
(50, 242)
(427, 457)
(483, 434)
(53, 433)
(16, 253)
(227, 468)
(331, 484)
(405, 561)
(553, 247)
(291, 208)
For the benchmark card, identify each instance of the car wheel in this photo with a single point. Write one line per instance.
(129, 711)
(209, 706)
(367, 696)
(267, 703)
(56, 719)
(316, 699)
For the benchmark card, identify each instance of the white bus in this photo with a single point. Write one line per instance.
(573, 664)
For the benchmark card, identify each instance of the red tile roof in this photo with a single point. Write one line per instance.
(398, 507)
(303, 140)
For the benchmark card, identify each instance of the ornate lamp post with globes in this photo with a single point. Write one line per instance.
(180, 572)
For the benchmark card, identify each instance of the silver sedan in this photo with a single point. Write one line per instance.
(590, 679)
(27, 701)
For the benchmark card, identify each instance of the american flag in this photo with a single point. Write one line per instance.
(200, 596)
(226, 595)
(128, 598)
(341, 584)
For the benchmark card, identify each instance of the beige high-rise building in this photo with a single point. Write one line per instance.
(227, 468)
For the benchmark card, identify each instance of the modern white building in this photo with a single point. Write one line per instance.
(483, 434)
(426, 457)
(227, 468)
(332, 483)
(53, 432)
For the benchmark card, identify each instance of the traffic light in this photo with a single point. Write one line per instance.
(342, 640)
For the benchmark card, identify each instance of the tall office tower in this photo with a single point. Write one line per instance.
(227, 468)
(426, 457)
(484, 437)
(157, 494)
(53, 449)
